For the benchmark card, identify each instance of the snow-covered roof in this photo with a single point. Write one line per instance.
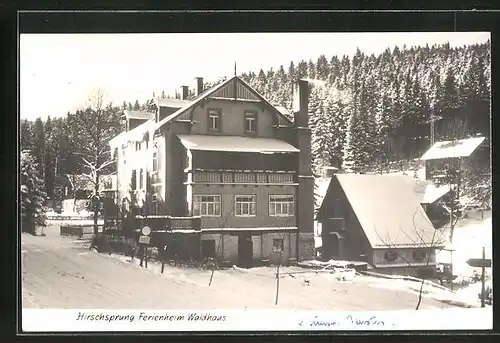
(284, 111)
(427, 190)
(138, 114)
(172, 103)
(235, 144)
(450, 149)
(320, 190)
(388, 210)
(136, 134)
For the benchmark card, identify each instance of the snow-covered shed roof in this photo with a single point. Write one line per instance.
(138, 115)
(235, 144)
(450, 149)
(427, 190)
(388, 210)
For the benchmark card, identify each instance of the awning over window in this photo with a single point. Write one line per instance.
(236, 144)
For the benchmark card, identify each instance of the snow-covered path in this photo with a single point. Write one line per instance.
(60, 272)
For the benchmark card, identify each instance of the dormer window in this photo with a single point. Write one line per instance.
(250, 121)
(214, 116)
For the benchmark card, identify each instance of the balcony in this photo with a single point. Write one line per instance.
(243, 177)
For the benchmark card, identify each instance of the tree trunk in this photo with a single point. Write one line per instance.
(96, 206)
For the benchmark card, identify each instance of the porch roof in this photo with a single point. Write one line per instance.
(236, 144)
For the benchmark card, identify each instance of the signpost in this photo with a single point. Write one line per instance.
(144, 241)
(481, 263)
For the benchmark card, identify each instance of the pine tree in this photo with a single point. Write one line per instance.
(26, 138)
(321, 142)
(32, 194)
(322, 68)
(311, 69)
(50, 157)
(137, 106)
(39, 146)
(301, 70)
(292, 72)
(261, 82)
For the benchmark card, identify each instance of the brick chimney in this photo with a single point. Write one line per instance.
(305, 192)
(184, 92)
(199, 86)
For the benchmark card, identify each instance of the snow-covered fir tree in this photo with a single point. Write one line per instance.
(32, 194)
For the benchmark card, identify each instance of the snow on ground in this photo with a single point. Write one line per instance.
(469, 237)
(61, 272)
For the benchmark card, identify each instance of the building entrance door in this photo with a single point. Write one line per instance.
(245, 251)
(207, 248)
(331, 246)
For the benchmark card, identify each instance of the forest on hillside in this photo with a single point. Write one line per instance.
(372, 109)
(365, 111)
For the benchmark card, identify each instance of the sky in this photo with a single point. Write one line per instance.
(59, 71)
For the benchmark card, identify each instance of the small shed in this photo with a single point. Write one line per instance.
(378, 219)
(446, 156)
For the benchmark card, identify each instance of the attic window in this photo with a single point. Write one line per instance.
(390, 255)
(214, 118)
(250, 118)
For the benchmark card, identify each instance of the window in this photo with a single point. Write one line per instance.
(141, 179)
(390, 255)
(133, 180)
(281, 205)
(245, 205)
(155, 162)
(419, 255)
(337, 224)
(278, 245)
(214, 116)
(154, 203)
(206, 205)
(250, 118)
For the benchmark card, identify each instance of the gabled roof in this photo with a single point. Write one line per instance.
(451, 149)
(195, 101)
(235, 144)
(388, 210)
(138, 115)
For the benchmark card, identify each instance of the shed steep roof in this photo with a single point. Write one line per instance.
(388, 210)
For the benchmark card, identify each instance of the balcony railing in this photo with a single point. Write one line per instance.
(210, 176)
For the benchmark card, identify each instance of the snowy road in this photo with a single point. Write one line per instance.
(60, 272)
